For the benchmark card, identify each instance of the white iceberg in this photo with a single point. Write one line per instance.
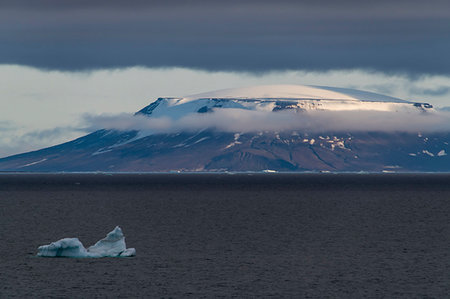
(113, 245)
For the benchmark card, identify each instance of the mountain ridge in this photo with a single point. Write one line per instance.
(211, 150)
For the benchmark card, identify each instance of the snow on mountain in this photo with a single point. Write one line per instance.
(281, 97)
(321, 129)
(273, 92)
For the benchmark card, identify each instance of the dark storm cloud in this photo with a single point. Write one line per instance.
(390, 36)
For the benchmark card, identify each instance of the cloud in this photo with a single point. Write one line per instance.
(437, 91)
(13, 140)
(256, 36)
(6, 126)
(49, 134)
(240, 120)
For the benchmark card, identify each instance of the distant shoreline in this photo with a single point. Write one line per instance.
(224, 181)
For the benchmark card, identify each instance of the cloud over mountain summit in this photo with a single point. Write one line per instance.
(279, 108)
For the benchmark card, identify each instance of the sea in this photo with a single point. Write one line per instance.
(241, 235)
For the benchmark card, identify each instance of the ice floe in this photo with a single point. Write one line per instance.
(113, 245)
(442, 153)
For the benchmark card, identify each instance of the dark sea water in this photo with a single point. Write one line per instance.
(202, 235)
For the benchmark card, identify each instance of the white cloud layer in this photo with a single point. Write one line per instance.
(240, 120)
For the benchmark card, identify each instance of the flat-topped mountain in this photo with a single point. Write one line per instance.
(262, 128)
(281, 97)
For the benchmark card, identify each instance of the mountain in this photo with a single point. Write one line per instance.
(280, 97)
(206, 132)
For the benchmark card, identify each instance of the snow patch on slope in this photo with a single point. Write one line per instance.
(34, 163)
(236, 141)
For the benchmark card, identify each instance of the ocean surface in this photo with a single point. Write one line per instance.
(229, 235)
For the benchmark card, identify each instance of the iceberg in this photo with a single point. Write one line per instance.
(113, 245)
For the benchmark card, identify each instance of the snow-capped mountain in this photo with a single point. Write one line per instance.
(280, 97)
(212, 148)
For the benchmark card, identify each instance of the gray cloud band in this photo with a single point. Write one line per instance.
(404, 36)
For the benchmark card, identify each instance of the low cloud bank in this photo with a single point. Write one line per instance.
(240, 120)
(14, 141)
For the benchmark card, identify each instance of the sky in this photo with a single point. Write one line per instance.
(61, 60)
